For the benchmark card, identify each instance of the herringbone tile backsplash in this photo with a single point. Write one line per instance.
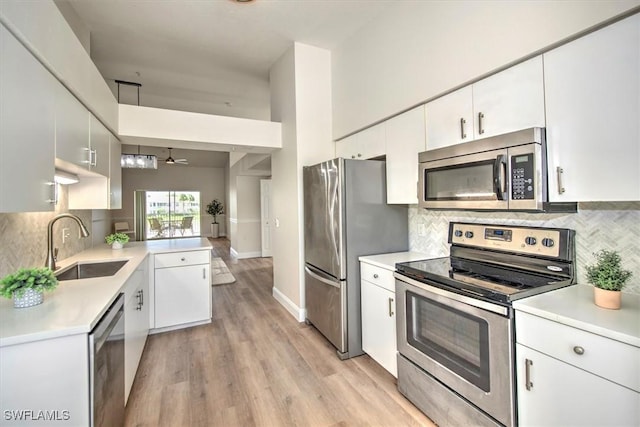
(611, 226)
(23, 236)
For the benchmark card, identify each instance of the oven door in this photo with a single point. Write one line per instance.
(465, 343)
(472, 181)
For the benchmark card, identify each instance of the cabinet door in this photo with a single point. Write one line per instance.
(593, 115)
(27, 130)
(562, 395)
(72, 131)
(347, 148)
(115, 173)
(450, 119)
(371, 142)
(379, 325)
(136, 323)
(182, 295)
(405, 138)
(99, 145)
(510, 100)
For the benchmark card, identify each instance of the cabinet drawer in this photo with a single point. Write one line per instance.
(377, 275)
(610, 359)
(177, 259)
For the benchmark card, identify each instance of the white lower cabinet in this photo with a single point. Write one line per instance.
(182, 290)
(570, 377)
(136, 322)
(377, 293)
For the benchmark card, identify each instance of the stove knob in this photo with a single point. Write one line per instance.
(458, 233)
(530, 240)
(548, 242)
(468, 234)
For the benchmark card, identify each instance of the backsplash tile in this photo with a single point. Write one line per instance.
(611, 226)
(23, 236)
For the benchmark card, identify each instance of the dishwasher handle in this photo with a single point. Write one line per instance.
(109, 320)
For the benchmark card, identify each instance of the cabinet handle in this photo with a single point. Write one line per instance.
(93, 157)
(578, 350)
(480, 117)
(463, 135)
(204, 272)
(390, 307)
(527, 373)
(375, 275)
(183, 259)
(53, 193)
(353, 156)
(559, 172)
(89, 153)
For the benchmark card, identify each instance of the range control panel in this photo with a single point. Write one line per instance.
(533, 241)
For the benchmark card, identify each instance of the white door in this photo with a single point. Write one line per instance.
(266, 213)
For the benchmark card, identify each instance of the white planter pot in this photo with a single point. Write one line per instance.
(215, 230)
(28, 299)
(117, 245)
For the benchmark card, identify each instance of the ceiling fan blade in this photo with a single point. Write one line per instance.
(180, 160)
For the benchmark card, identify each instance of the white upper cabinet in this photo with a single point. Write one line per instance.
(450, 119)
(99, 144)
(115, 173)
(405, 138)
(593, 115)
(27, 130)
(510, 100)
(366, 144)
(72, 132)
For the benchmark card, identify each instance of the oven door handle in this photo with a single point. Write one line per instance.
(499, 176)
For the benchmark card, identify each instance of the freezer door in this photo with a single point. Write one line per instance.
(323, 217)
(326, 301)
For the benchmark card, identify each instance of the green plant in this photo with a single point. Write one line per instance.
(607, 273)
(214, 209)
(116, 237)
(38, 279)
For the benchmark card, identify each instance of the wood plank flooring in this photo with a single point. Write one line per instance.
(255, 365)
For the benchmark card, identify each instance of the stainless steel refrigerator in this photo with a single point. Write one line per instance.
(345, 216)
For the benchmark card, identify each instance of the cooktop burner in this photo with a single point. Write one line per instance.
(499, 263)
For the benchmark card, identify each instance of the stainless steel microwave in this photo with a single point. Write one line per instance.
(506, 172)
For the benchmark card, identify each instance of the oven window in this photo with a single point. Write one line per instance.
(453, 338)
(472, 181)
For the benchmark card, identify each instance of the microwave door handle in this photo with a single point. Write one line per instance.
(499, 175)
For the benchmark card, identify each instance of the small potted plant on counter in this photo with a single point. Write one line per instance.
(117, 240)
(26, 286)
(214, 209)
(608, 278)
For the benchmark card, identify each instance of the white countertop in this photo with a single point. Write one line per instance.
(574, 306)
(388, 261)
(75, 306)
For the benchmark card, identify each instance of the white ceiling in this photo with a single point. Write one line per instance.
(211, 56)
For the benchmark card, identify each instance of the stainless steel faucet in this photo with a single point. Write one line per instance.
(51, 259)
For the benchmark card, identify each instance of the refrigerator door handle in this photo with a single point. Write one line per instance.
(322, 278)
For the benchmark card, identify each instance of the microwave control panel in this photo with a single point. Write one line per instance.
(522, 177)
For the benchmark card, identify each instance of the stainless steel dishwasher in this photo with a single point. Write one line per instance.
(106, 367)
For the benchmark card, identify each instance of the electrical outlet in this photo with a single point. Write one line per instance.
(422, 230)
(65, 235)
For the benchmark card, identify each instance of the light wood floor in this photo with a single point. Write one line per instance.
(255, 365)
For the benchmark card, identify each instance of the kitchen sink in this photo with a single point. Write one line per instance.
(90, 269)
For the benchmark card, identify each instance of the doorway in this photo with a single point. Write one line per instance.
(168, 214)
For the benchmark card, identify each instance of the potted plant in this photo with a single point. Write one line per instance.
(214, 209)
(26, 286)
(608, 278)
(117, 240)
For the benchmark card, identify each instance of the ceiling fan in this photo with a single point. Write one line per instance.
(171, 161)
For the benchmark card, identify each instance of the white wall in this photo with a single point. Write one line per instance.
(301, 101)
(209, 181)
(418, 50)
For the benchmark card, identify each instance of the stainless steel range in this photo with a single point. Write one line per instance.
(456, 323)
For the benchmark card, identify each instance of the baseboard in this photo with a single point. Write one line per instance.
(181, 326)
(243, 255)
(298, 313)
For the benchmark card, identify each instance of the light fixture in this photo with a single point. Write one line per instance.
(139, 161)
(65, 178)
